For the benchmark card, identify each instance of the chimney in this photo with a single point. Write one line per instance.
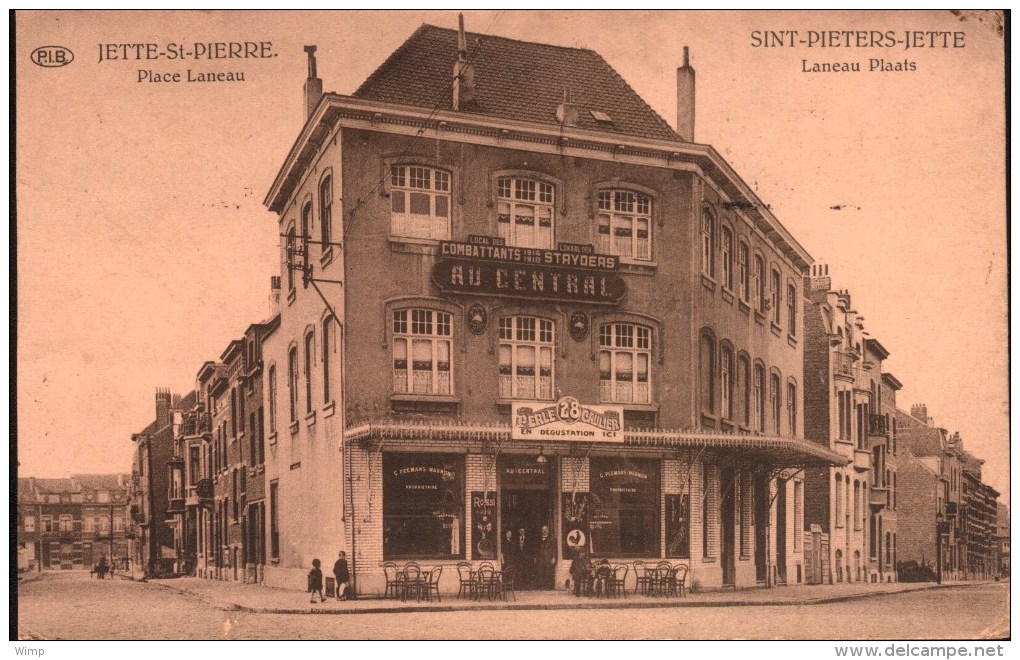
(819, 280)
(162, 407)
(567, 112)
(313, 86)
(274, 296)
(685, 99)
(463, 72)
(919, 411)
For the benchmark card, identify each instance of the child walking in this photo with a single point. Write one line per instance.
(315, 580)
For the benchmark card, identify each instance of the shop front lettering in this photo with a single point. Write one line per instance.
(553, 283)
(622, 473)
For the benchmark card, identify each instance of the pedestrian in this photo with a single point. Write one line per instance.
(523, 560)
(507, 549)
(343, 576)
(315, 580)
(101, 569)
(579, 570)
(546, 560)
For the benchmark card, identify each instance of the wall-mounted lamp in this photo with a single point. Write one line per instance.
(541, 459)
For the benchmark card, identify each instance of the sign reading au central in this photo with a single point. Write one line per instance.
(567, 419)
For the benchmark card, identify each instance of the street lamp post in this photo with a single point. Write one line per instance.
(938, 547)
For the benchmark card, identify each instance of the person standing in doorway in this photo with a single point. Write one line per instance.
(524, 563)
(545, 562)
(507, 549)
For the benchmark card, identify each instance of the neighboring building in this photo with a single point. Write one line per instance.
(1002, 540)
(71, 523)
(191, 424)
(207, 438)
(852, 505)
(526, 240)
(154, 450)
(977, 519)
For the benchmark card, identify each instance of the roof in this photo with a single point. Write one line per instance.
(876, 346)
(514, 79)
(891, 381)
(55, 486)
(189, 401)
(100, 481)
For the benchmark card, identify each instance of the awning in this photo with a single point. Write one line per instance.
(771, 449)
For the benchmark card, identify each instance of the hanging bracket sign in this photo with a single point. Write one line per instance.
(567, 419)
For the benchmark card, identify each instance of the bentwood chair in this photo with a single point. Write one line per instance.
(486, 581)
(393, 580)
(641, 578)
(678, 580)
(618, 581)
(431, 586)
(467, 580)
(504, 586)
(411, 582)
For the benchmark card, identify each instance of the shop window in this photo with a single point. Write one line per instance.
(625, 352)
(526, 349)
(625, 224)
(526, 208)
(422, 350)
(423, 506)
(625, 515)
(419, 202)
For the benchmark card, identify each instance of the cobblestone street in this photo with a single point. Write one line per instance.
(70, 606)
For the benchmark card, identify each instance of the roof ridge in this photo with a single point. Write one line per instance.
(483, 35)
(612, 69)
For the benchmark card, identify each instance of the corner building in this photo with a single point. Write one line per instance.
(490, 234)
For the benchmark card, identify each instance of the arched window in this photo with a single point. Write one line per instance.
(309, 357)
(839, 500)
(759, 397)
(526, 211)
(326, 211)
(707, 373)
(272, 399)
(292, 378)
(776, 392)
(744, 389)
(888, 549)
(527, 346)
(625, 356)
(327, 350)
(625, 224)
(791, 407)
(744, 266)
(419, 202)
(775, 296)
(727, 257)
(759, 284)
(839, 565)
(422, 350)
(726, 382)
(791, 308)
(857, 504)
(290, 257)
(708, 243)
(306, 228)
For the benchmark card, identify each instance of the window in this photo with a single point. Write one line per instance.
(272, 399)
(422, 348)
(327, 348)
(47, 523)
(103, 497)
(262, 436)
(759, 284)
(625, 352)
(791, 309)
(240, 410)
(744, 378)
(726, 381)
(745, 272)
(233, 493)
(419, 202)
(791, 407)
(233, 411)
(727, 258)
(193, 466)
(423, 506)
(290, 258)
(759, 398)
(30, 524)
(274, 520)
(306, 231)
(798, 514)
(526, 349)
(253, 449)
(775, 295)
(625, 499)
(118, 523)
(708, 243)
(525, 212)
(707, 373)
(625, 224)
(65, 523)
(292, 384)
(777, 403)
(839, 500)
(309, 354)
(326, 211)
(857, 504)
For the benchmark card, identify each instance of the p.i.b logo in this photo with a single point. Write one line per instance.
(52, 56)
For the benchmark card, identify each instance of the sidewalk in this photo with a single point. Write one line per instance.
(267, 600)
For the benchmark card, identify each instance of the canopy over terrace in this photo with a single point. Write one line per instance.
(763, 450)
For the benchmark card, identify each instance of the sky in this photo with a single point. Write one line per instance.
(144, 247)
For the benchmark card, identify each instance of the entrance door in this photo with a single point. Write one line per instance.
(781, 530)
(729, 568)
(761, 521)
(527, 498)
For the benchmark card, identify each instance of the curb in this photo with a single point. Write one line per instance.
(500, 606)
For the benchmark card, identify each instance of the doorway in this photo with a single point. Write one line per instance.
(761, 521)
(527, 498)
(781, 530)
(729, 567)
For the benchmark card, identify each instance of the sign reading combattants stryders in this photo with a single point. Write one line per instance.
(567, 419)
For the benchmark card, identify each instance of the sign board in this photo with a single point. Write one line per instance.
(483, 524)
(567, 419)
(575, 523)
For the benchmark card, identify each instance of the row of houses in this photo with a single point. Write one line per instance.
(512, 296)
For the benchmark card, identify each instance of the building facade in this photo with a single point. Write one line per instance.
(66, 524)
(155, 551)
(508, 309)
(847, 412)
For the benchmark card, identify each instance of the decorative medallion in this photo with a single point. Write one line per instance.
(579, 326)
(477, 319)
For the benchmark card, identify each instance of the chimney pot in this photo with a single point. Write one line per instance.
(463, 71)
(685, 99)
(313, 85)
